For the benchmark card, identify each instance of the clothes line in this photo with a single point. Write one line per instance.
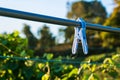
(41, 60)
(53, 20)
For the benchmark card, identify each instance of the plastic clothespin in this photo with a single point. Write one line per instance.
(80, 35)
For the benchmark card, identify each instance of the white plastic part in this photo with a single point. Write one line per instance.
(80, 35)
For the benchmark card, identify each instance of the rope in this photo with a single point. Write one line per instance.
(45, 60)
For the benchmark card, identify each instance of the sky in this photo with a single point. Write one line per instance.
(56, 8)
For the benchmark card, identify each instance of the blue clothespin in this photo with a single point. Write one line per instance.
(80, 35)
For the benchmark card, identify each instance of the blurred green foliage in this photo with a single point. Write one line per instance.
(91, 68)
(112, 39)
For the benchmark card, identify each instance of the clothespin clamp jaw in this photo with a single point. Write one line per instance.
(80, 35)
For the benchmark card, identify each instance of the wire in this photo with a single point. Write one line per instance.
(45, 60)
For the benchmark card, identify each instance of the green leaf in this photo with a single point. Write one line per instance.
(85, 77)
(4, 42)
(45, 77)
(108, 60)
(48, 56)
(23, 53)
(117, 65)
(39, 75)
(73, 72)
(113, 73)
(10, 65)
(28, 72)
(58, 69)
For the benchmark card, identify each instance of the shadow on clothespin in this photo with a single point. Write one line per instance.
(80, 35)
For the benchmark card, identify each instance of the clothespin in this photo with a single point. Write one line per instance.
(80, 35)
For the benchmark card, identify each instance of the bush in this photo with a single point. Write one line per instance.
(19, 63)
